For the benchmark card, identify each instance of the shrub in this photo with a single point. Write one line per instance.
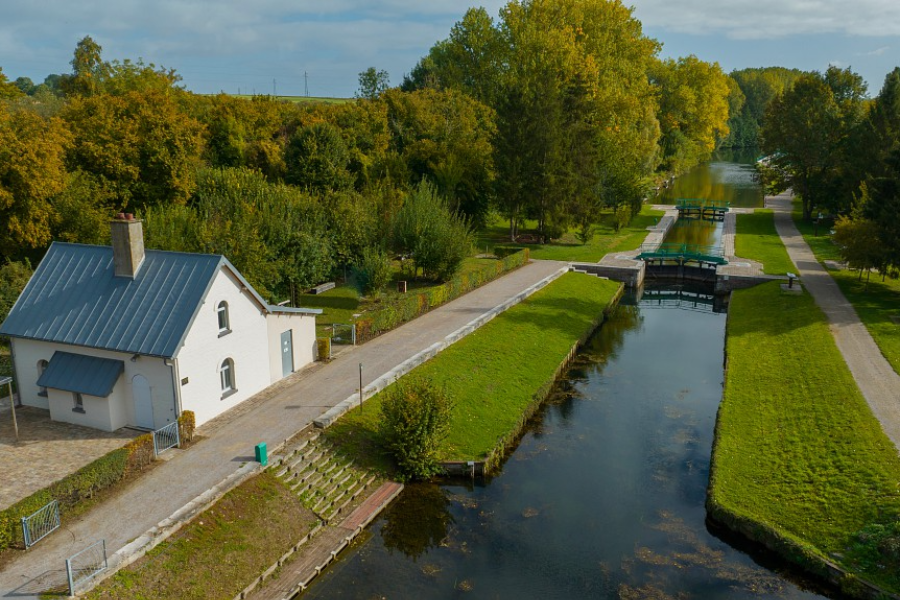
(412, 305)
(140, 452)
(187, 422)
(323, 347)
(415, 420)
(372, 271)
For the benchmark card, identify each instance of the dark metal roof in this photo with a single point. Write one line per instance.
(89, 375)
(74, 298)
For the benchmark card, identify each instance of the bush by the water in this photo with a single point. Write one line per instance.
(415, 420)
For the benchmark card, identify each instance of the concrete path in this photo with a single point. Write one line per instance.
(879, 383)
(272, 417)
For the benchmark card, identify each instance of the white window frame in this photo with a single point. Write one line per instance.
(41, 367)
(226, 377)
(222, 315)
(78, 400)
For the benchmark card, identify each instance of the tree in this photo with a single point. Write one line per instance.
(805, 133)
(8, 90)
(139, 145)
(373, 83)
(32, 172)
(14, 277)
(317, 159)
(415, 418)
(694, 110)
(372, 271)
(88, 70)
(444, 137)
(436, 238)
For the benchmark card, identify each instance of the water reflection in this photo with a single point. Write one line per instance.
(419, 520)
(603, 498)
(730, 176)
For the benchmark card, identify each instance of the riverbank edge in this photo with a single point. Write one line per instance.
(505, 443)
(797, 552)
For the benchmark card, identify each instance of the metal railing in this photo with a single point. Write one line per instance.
(165, 438)
(343, 333)
(40, 524)
(85, 565)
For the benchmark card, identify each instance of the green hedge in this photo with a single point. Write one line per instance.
(82, 484)
(103, 473)
(412, 306)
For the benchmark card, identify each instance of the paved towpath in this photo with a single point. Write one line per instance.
(275, 416)
(879, 383)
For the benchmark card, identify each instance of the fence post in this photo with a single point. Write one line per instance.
(353, 333)
(69, 577)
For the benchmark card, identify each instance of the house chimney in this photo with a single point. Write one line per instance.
(127, 244)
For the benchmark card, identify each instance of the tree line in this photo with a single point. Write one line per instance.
(839, 151)
(557, 111)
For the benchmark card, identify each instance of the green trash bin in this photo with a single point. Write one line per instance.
(261, 455)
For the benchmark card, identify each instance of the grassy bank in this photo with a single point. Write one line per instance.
(605, 239)
(799, 460)
(219, 552)
(494, 373)
(877, 304)
(757, 240)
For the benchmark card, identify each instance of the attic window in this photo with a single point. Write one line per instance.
(222, 312)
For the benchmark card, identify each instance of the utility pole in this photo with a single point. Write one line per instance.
(274, 89)
(306, 83)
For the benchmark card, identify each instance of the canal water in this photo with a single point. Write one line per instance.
(603, 497)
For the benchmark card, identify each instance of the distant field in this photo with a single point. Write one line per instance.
(301, 99)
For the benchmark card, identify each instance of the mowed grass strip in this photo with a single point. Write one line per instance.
(221, 551)
(877, 304)
(758, 240)
(493, 373)
(797, 448)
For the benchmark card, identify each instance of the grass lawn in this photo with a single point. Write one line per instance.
(822, 245)
(797, 448)
(605, 239)
(875, 304)
(757, 240)
(220, 552)
(494, 373)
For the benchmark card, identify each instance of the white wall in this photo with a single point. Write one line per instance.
(204, 350)
(119, 409)
(304, 340)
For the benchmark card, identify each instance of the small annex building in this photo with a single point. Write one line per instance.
(108, 337)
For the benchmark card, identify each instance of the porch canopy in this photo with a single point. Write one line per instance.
(89, 375)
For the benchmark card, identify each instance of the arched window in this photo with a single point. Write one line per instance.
(42, 366)
(226, 376)
(222, 312)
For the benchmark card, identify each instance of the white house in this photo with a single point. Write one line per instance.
(108, 337)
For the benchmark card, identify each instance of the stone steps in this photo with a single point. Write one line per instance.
(326, 483)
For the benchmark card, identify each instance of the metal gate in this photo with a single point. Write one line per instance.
(42, 523)
(165, 438)
(343, 333)
(85, 565)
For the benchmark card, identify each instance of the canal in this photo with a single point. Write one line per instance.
(603, 497)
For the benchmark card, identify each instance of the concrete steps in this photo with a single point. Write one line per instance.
(326, 483)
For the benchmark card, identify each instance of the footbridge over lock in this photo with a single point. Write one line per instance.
(697, 208)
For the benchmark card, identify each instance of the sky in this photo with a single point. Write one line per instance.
(318, 48)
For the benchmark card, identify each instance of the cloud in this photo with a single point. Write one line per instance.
(879, 52)
(772, 19)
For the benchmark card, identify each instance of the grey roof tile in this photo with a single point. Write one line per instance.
(75, 298)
